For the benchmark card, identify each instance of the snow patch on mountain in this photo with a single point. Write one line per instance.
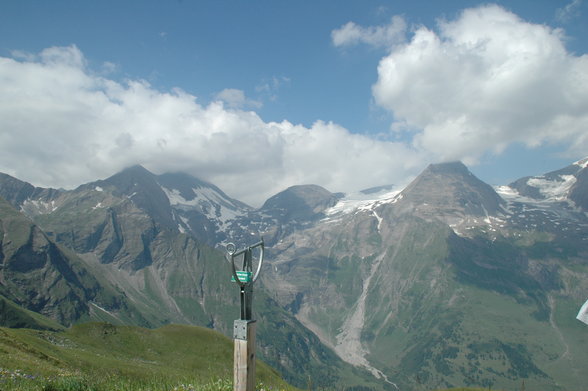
(38, 207)
(207, 202)
(553, 190)
(184, 221)
(355, 202)
(469, 225)
(380, 219)
(583, 313)
(511, 195)
(175, 199)
(582, 162)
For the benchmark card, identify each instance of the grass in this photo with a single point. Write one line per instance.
(11, 315)
(17, 381)
(104, 357)
(466, 389)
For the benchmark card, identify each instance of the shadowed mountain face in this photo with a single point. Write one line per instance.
(44, 277)
(448, 282)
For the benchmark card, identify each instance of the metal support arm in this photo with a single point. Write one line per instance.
(245, 277)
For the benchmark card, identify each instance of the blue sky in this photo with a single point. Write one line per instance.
(260, 95)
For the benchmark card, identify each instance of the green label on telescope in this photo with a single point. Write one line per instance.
(244, 276)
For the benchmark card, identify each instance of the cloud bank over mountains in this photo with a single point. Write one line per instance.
(473, 85)
(63, 125)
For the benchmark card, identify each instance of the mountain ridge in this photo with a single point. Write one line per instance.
(424, 273)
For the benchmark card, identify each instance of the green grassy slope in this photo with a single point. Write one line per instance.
(12, 315)
(101, 356)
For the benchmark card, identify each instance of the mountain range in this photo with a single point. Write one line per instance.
(448, 282)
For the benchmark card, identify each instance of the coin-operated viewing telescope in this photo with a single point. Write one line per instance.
(244, 328)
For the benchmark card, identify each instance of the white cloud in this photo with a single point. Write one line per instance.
(109, 67)
(236, 99)
(269, 87)
(568, 12)
(62, 125)
(378, 36)
(484, 81)
(22, 55)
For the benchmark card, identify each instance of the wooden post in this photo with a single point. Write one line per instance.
(244, 357)
(244, 328)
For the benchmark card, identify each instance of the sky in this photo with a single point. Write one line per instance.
(256, 96)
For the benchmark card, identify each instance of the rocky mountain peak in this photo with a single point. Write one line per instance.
(16, 192)
(302, 202)
(451, 189)
(447, 168)
(131, 179)
(140, 186)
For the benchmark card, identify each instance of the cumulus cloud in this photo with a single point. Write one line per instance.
(379, 36)
(61, 124)
(483, 81)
